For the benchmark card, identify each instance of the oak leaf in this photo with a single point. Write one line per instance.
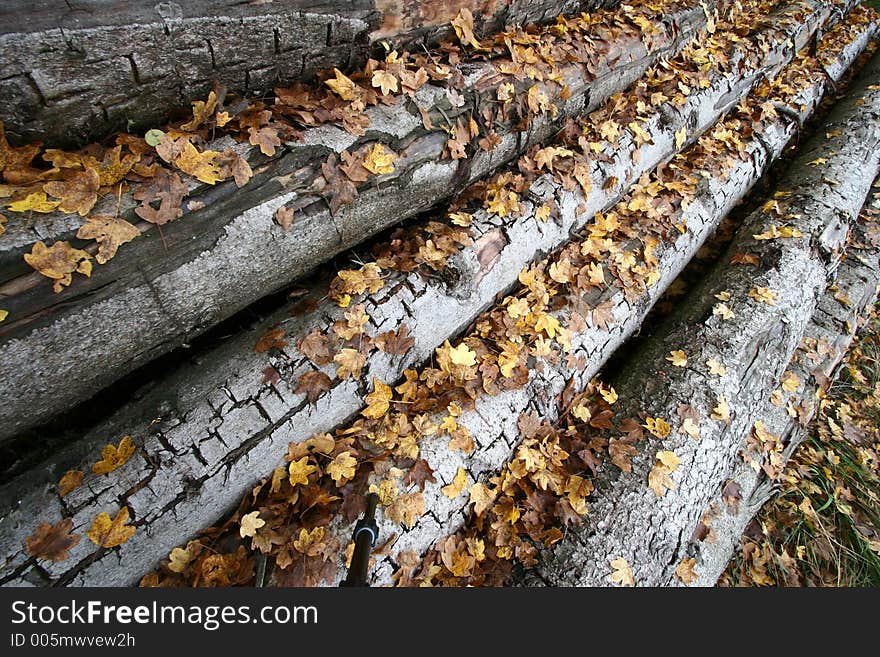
(113, 456)
(109, 232)
(59, 262)
(107, 533)
(52, 542)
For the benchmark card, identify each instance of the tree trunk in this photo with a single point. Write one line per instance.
(205, 433)
(199, 270)
(828, 182)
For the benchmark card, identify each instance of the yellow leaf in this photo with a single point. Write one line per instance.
(678, 358)
(621, 573)
(342, 469)
(379, 161)
(482, 497)
(202, 111)
(721, 411)
(109, 232)
(386, 490)
(723, 311)
(462, 355)
(113, 457)
(818, 162)
(385, 81)
(350, 362)
(310, 543)
(378, 401)
(690, 428)
(542, 213)
(458, 484)
(203, 165)
(657, 426)
(517, 307)
(658, 478)
(3, 314)
(250, 523)
(763, 295)
(609, 394)
(407, 509)
(685, 571)
(299, 471)
(715, 367)
(342, 86)
(59, 262)
(179, 559)
(790, 382)
(36, 201)
(69, 481)
(680, 136)
(547, 323)
(109, 533)
(463, 24)
(669, 459)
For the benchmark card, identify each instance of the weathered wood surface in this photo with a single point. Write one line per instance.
(80, 70)
(174, 284)
(628, 520)
(204, 433)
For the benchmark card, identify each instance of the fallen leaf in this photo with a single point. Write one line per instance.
(678, 358)
(284, 217)
(378, 160)
(457, 486)
(350, 362)
(35, 202)
(69, 481)
(763, 295)
(298, 471)
(482, 497)
(342, 85)
(78, 193)
(109, 533)
(657, 426)
(721, 411)
(407, 509)
(52, 542)
(313, 383)
(250, 523)
(109, 232)
(59, 262)
(342, 469)
(384, 81)
(113, 456)
(273, 338)
(715, 367)
(621, 573)
(378, 401)
(685, 571)
(179, 559)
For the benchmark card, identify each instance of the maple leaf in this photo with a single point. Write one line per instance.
(690, 428)
(342, 469)
(459, 483)
(482, 497)
(658, 478)
(310, 543)
(298, 471)
(715, 367)
(621, 573)
(680, 136)
(463, 24)
(386, 490)
(109, 232)
(407, 509)
(378, 160)
(250, 523)
(395, 343)
(790, 382)
(203, 165)
(462, 355)
(202, 111)
(685, 571)
(113, 456)
(59, 262)
(385, 81)
(350, 362)
(378, 401)
(609, 394)
(745, 259)
(621, 452)
(273, 338)
(313, 383)
(179, 559)
(678, 358)
(339, 190)
(418, 474)
(316, 347)
(284, 217)
(166, 187)
(107, 533)
(78, 193)
(52, 542)
(657, 426)
(352, 166)
(723, 311)
(342, 86)
(763, 295)
(721, 411)
(36, 202)
(69, 481)
(266, 138)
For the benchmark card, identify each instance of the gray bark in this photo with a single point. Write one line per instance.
(627, 519)
(91, 67)
(169, 287)
(205, 432)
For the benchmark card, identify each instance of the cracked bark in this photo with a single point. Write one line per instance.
(627, 519)
(176, 419)
(218, 260)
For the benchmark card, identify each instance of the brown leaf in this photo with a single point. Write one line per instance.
(52, 542)
(284, 217)
(69, 481)
(352, 166)
(266, 138)
(339, 190)
(165, 187)
(395, 343)
(78, 193)
(685, 571)
(109, 232)
(273, 338)
(418, 474)
(316, 347)
(731, 494)
(314, 383)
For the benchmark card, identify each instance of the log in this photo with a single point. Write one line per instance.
(828, 182)
(205, 431)
(94, 67)
(173, 284)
